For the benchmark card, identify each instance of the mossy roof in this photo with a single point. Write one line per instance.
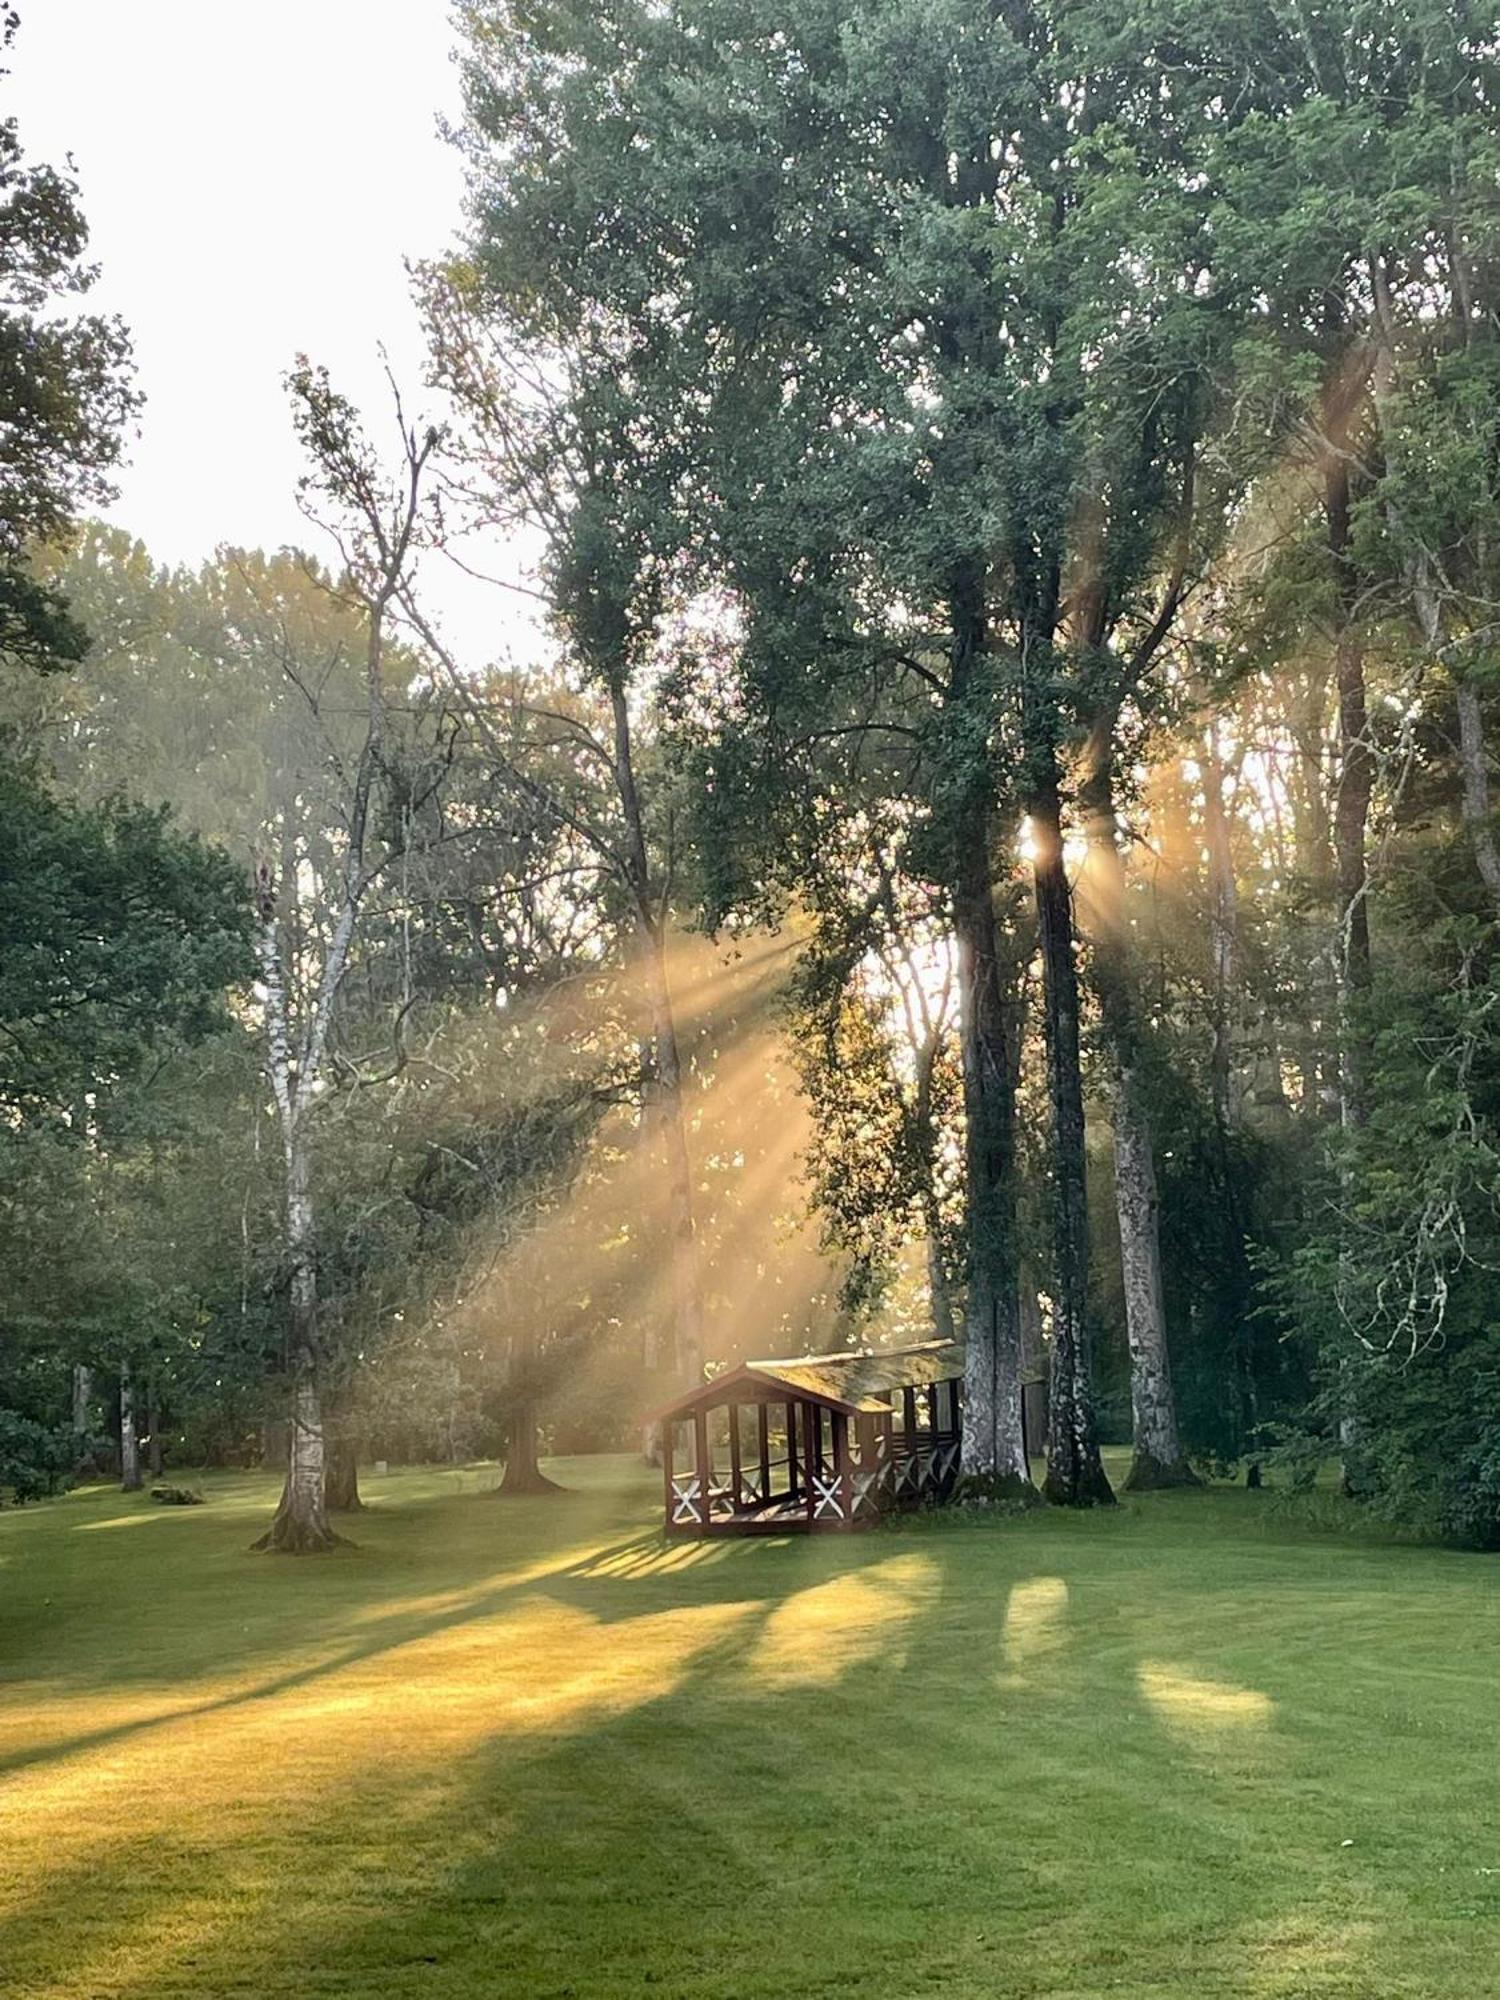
(858, 1380)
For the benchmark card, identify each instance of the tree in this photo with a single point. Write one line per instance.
(378, 526)
(64, 393)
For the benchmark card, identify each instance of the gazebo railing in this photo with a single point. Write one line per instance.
(829, 1473)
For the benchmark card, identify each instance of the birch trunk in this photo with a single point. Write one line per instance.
(130, 1451)
(300, 1524)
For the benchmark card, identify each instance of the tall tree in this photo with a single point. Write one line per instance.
(377, 523)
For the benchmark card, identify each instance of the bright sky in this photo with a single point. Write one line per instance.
(253, 179)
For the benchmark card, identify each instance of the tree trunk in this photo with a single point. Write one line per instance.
(153, 1429)
(993, 1443)
(1474, 769)
(1158, 1458)
(1075, 1471)
(300, 1525)
(341, 1474)
(83, 1387)
(1351, 814)
(523, 1472)
(994, 1438)
(939, 1292)
(1356, 781)
(130, 1451)
(1223, 899)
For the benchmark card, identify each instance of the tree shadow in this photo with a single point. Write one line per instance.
(982, 1762)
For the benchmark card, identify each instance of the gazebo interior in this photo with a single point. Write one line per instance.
(824, 1441)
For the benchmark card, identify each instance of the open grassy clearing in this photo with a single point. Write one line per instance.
(524, 1748)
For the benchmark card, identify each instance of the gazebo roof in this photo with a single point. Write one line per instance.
(856, 1381)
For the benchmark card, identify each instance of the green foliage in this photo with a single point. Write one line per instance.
(36, 1460)
(121, 932)
(64, 395)
(1393, 1269)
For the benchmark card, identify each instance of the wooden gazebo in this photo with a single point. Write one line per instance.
(824, 1441)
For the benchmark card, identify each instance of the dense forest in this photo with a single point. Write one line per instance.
(976, 820)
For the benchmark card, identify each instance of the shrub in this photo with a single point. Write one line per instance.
(34, 1460)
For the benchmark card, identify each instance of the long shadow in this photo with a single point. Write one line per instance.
(979, 1804)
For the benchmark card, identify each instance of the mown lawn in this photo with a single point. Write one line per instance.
(523, 1748)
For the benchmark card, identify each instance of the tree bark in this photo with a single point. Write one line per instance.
(300, 1524)
(1158, 1458)
(83, 1386)
(994, 1438)
(993, 1442)
(1474, 769)
(1223, 919)
(1075, 1470)
(153, 1429)
(939, 1292)
(130, 1451)
(1356, 782)
(523, 1473)
(341, 1472)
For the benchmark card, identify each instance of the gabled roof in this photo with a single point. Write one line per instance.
(856, 1382)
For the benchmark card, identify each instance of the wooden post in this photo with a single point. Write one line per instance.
(736, 1494)
(705, 1465)
(932, 1415)
(666, 1469)
(839, 1426)
(812, 1421)
(791, 1451)
(763, 1435)
(909, 1415)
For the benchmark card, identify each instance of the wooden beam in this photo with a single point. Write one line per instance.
(812, 1420)
(839, 1425)
(705, 1465)
(666, 1469)
(736, 1493)
(791, 1451)
(763, 1437)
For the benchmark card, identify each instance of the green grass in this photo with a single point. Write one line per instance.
(525, 1748)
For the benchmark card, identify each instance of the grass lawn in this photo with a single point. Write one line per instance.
(525, 1748)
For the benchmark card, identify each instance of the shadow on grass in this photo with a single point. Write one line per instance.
(1045, 1757)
